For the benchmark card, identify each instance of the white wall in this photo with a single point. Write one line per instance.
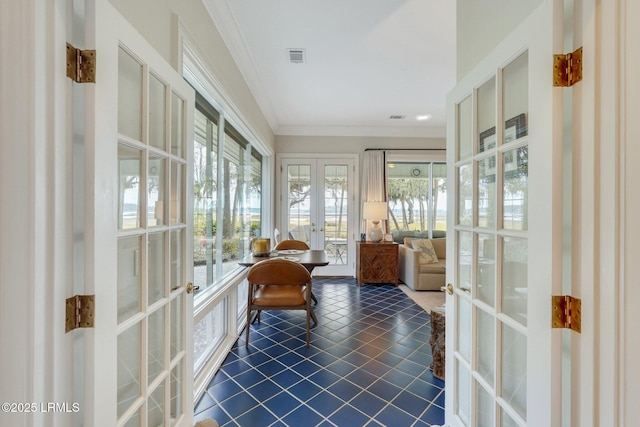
(351, 144)
(481, 25)
(155, 20)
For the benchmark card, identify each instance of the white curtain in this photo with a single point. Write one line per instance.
(374, 181)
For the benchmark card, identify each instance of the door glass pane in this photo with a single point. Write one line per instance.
(465, 195)
(176, 326)
(177, 128)
(155, 262)
(129, 285)
(128, 187)
(299, 196)
(516, 98)
(463, 401)
(465, 121)
(156, 112)
(155, 352)
(485, 408)
(516, 189)
(134, 421)
(514, 279)
(129, 346)
(487, 192)
(487, 116)
(336, 208)
(177, 257)
(486, 268)
(156, 194)
(176, 392)
(155, 406)
(506, 420)
(486, 341)
(464, 326)
(129, 96)
(514, 369)
(465, 251)
(177, 183)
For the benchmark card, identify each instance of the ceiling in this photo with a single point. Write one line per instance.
(365, 61)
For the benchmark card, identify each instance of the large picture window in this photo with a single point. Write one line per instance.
(417, 194)
(227, 196)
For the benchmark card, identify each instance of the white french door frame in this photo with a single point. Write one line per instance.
(544, 387)
(317, 213)
(35, 226)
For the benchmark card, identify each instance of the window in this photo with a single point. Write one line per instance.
(227, 196)
(417, 195)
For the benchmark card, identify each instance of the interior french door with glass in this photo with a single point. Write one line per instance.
(139, 257)
(505, 252)
(318, 207)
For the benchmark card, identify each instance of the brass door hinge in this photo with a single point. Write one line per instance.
(566, 312)
(81, 65)
(79, 312)
(567, 68)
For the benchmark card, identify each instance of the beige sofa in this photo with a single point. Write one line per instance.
(422, 277)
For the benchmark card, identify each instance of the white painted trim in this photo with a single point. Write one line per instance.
(224, 19)
(34, 221)
(628, 387)
(201, 75)
(364, 131)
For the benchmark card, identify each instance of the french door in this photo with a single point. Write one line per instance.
(505, 252)
(139, 128)
(318, 207)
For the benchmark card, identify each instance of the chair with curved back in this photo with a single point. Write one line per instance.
(279, 284)
(292, 244)
(295, 244)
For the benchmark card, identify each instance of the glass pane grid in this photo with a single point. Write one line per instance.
(336, 209)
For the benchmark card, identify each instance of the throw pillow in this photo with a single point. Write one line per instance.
(425, 249)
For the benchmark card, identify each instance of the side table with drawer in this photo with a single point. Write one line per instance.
(377, 262)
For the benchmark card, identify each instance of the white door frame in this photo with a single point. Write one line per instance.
(545, 274)
(36, 229)
(611, 129)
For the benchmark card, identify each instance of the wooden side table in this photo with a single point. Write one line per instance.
(377, 262)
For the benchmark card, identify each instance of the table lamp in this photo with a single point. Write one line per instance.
(375, 211)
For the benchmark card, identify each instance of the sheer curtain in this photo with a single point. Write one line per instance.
(374, 182)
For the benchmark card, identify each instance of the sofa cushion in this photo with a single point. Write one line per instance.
(425, 249)
(432, 268)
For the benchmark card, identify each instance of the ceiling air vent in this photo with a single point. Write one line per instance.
(396, 117)
(296, 56)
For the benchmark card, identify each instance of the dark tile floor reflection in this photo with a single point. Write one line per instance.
(368, 365)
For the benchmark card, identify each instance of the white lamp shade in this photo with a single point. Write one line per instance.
(374, 210)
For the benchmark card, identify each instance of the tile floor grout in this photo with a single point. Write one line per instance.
(374, 328)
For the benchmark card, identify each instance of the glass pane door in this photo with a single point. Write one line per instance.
(490, 362)
(319, 208)
(151, 344)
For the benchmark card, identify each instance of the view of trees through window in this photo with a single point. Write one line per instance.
(225, 216)
(417, 195)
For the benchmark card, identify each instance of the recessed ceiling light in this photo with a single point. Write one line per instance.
(423, 117)
(396, 117)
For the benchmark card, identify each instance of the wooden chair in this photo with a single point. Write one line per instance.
(295, 244)
(279, 284)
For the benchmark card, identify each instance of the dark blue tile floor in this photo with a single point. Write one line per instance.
(367, 365)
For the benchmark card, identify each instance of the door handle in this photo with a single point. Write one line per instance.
(448, 289)
(191, 289)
